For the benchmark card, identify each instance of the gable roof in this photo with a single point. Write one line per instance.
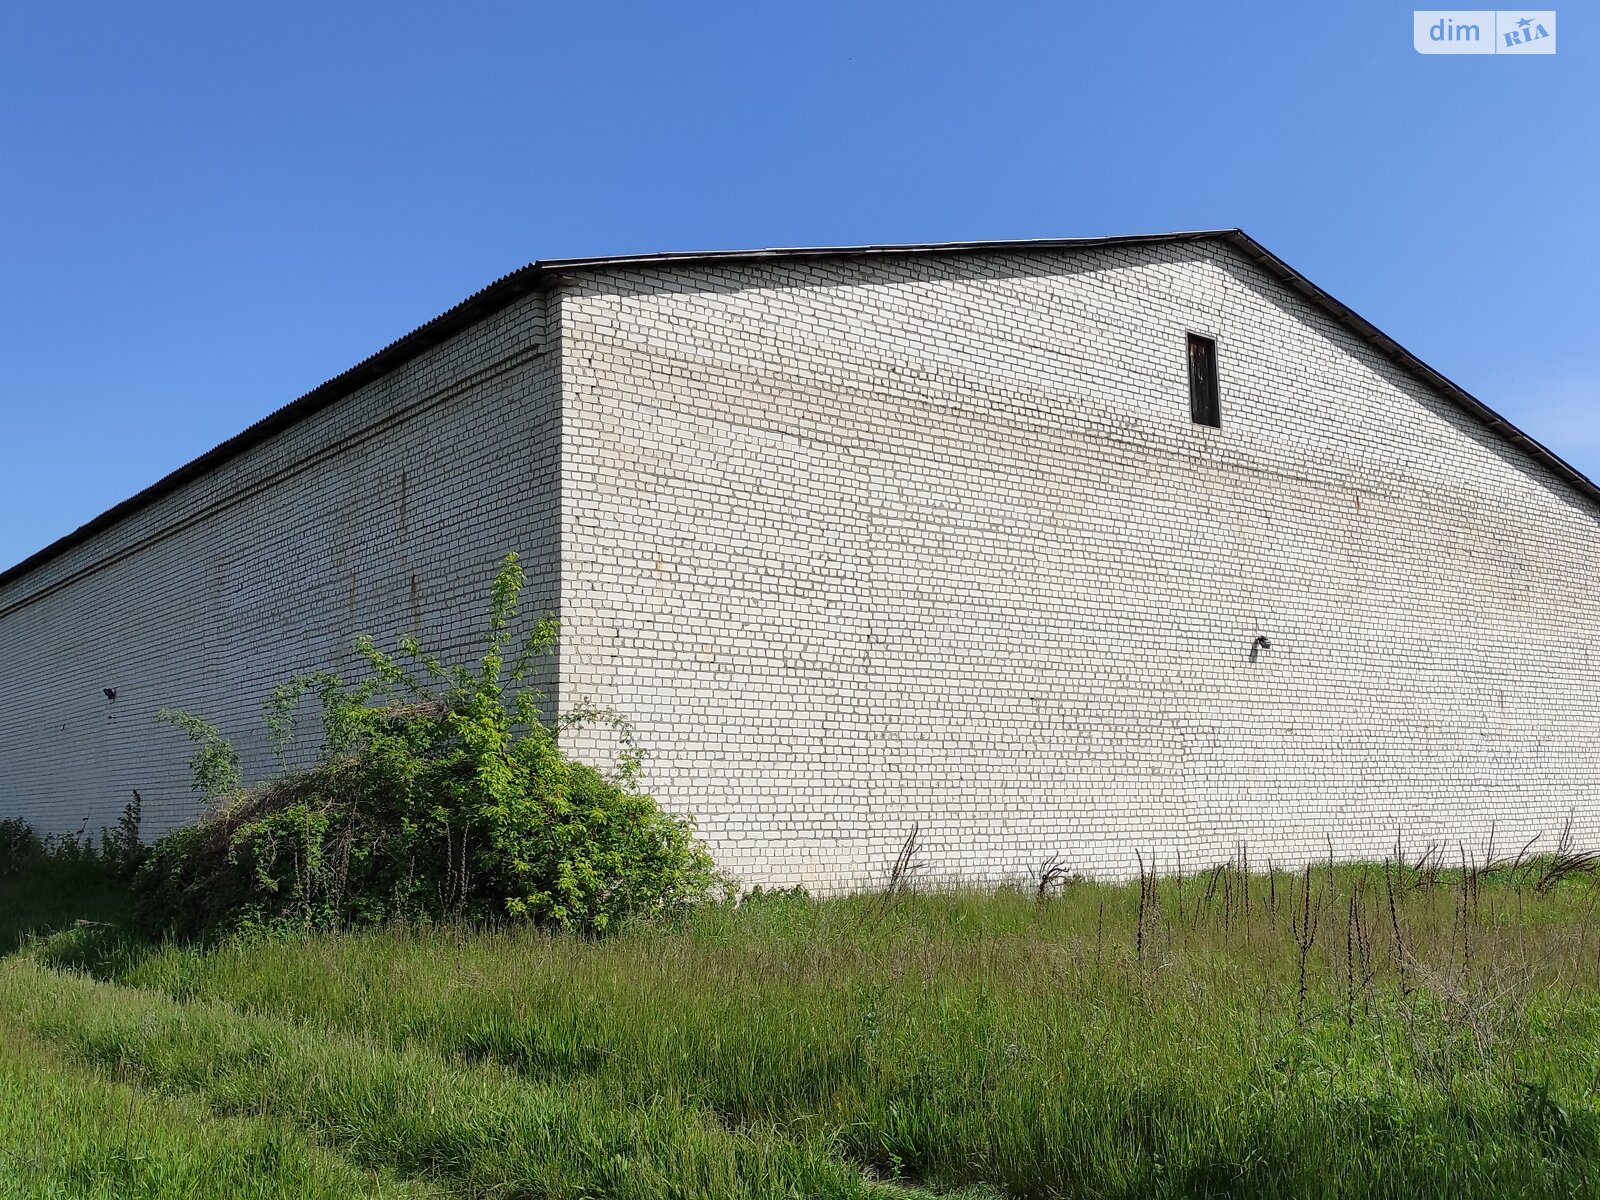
(508, 289)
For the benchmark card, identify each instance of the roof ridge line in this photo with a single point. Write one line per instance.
(506, 290)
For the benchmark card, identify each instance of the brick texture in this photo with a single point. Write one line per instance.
(862, 544)
(383, 514)
(873, 543)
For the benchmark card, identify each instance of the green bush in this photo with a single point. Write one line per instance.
(439, 793)
(54, 881)
(23, 851)
(20, 846)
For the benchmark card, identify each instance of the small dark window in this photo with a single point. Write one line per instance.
(1205, 406)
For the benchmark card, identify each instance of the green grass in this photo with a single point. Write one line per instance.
(66, 1131)
(52, 895)
(472, 1128)
(1300, 1037)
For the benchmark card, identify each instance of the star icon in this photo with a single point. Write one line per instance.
(1525, 22)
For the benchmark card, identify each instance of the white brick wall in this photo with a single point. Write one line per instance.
(384, 514)
(865, 543)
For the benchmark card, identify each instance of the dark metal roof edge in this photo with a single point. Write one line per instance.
(509, 288)
(559, 265)
(1395, 352)
(483, 303)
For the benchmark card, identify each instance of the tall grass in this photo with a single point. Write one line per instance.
(68, 1132)
(1418, 1030)
(1399, 1029)
(476, 1129)
(46, 886)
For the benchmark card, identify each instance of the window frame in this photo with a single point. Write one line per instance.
(1205, 411)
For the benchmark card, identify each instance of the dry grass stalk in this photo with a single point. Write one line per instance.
(1305, 936)
(908, 864)
(1051, 876)
(1566, 861)
(1394, 922)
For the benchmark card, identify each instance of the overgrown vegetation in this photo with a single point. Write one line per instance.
(1397, 1029)
(464, 1129)
(425, 1021)
(70, 1130)
(47, 883)
(440, 793)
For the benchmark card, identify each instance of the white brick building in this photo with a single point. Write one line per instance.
(866, 538)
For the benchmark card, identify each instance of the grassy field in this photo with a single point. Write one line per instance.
(1344, 1031)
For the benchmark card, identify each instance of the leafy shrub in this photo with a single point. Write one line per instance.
(215, 765)
(20, 846)
(121, 851)
(55, 881)
(439, 792)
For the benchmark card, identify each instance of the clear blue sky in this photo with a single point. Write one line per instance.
(207, 209)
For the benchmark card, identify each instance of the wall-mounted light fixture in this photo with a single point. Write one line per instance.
(111, 693)
(1261, 643)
